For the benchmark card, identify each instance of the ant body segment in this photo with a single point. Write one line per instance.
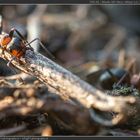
(16, 46)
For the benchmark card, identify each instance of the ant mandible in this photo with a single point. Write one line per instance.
(17, 46)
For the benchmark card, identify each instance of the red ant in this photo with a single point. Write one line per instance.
(17, 46)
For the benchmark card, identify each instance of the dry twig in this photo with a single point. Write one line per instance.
(72, 87)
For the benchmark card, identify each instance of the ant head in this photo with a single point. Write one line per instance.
(5, 39)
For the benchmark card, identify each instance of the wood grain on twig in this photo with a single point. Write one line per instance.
(72, 87)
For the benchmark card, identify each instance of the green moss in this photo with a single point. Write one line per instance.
(124, 90)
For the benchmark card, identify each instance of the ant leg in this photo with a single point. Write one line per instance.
(2, 52)
(41, 44)
(13, 69)
(8, 64)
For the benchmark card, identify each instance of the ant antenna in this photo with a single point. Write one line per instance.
(41, 44)
(122, 78)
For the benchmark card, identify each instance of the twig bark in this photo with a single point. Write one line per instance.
(72, 87)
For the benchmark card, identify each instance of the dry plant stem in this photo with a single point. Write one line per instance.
(57, 108)
(119, 35)
(34, 24)
(13, 130)
(121, 59)
(67, 19)
(121, 133)
(69, 85)
(82, 11)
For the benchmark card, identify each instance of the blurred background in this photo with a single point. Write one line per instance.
(85, 39)
(98, 43)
